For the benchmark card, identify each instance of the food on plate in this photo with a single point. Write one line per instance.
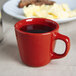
(23, 3)
(55, 11)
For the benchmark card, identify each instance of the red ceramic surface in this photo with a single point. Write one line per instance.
(38, 49)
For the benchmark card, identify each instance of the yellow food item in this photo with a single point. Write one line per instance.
(55, 11)
(0, 15)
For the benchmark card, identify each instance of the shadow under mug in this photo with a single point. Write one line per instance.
(37, 49)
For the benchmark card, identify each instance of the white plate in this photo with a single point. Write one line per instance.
(11, 8)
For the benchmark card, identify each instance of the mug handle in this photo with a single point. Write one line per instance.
(67, 42)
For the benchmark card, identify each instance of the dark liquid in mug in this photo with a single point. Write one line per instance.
(36, 28)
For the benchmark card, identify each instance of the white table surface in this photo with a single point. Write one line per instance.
(10, 62)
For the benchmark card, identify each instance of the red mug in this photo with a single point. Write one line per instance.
(37, 49)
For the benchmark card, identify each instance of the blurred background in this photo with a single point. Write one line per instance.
(1, 3)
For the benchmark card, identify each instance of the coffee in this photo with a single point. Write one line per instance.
(35, 28)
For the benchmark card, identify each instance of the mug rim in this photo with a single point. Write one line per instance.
(57, 27)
